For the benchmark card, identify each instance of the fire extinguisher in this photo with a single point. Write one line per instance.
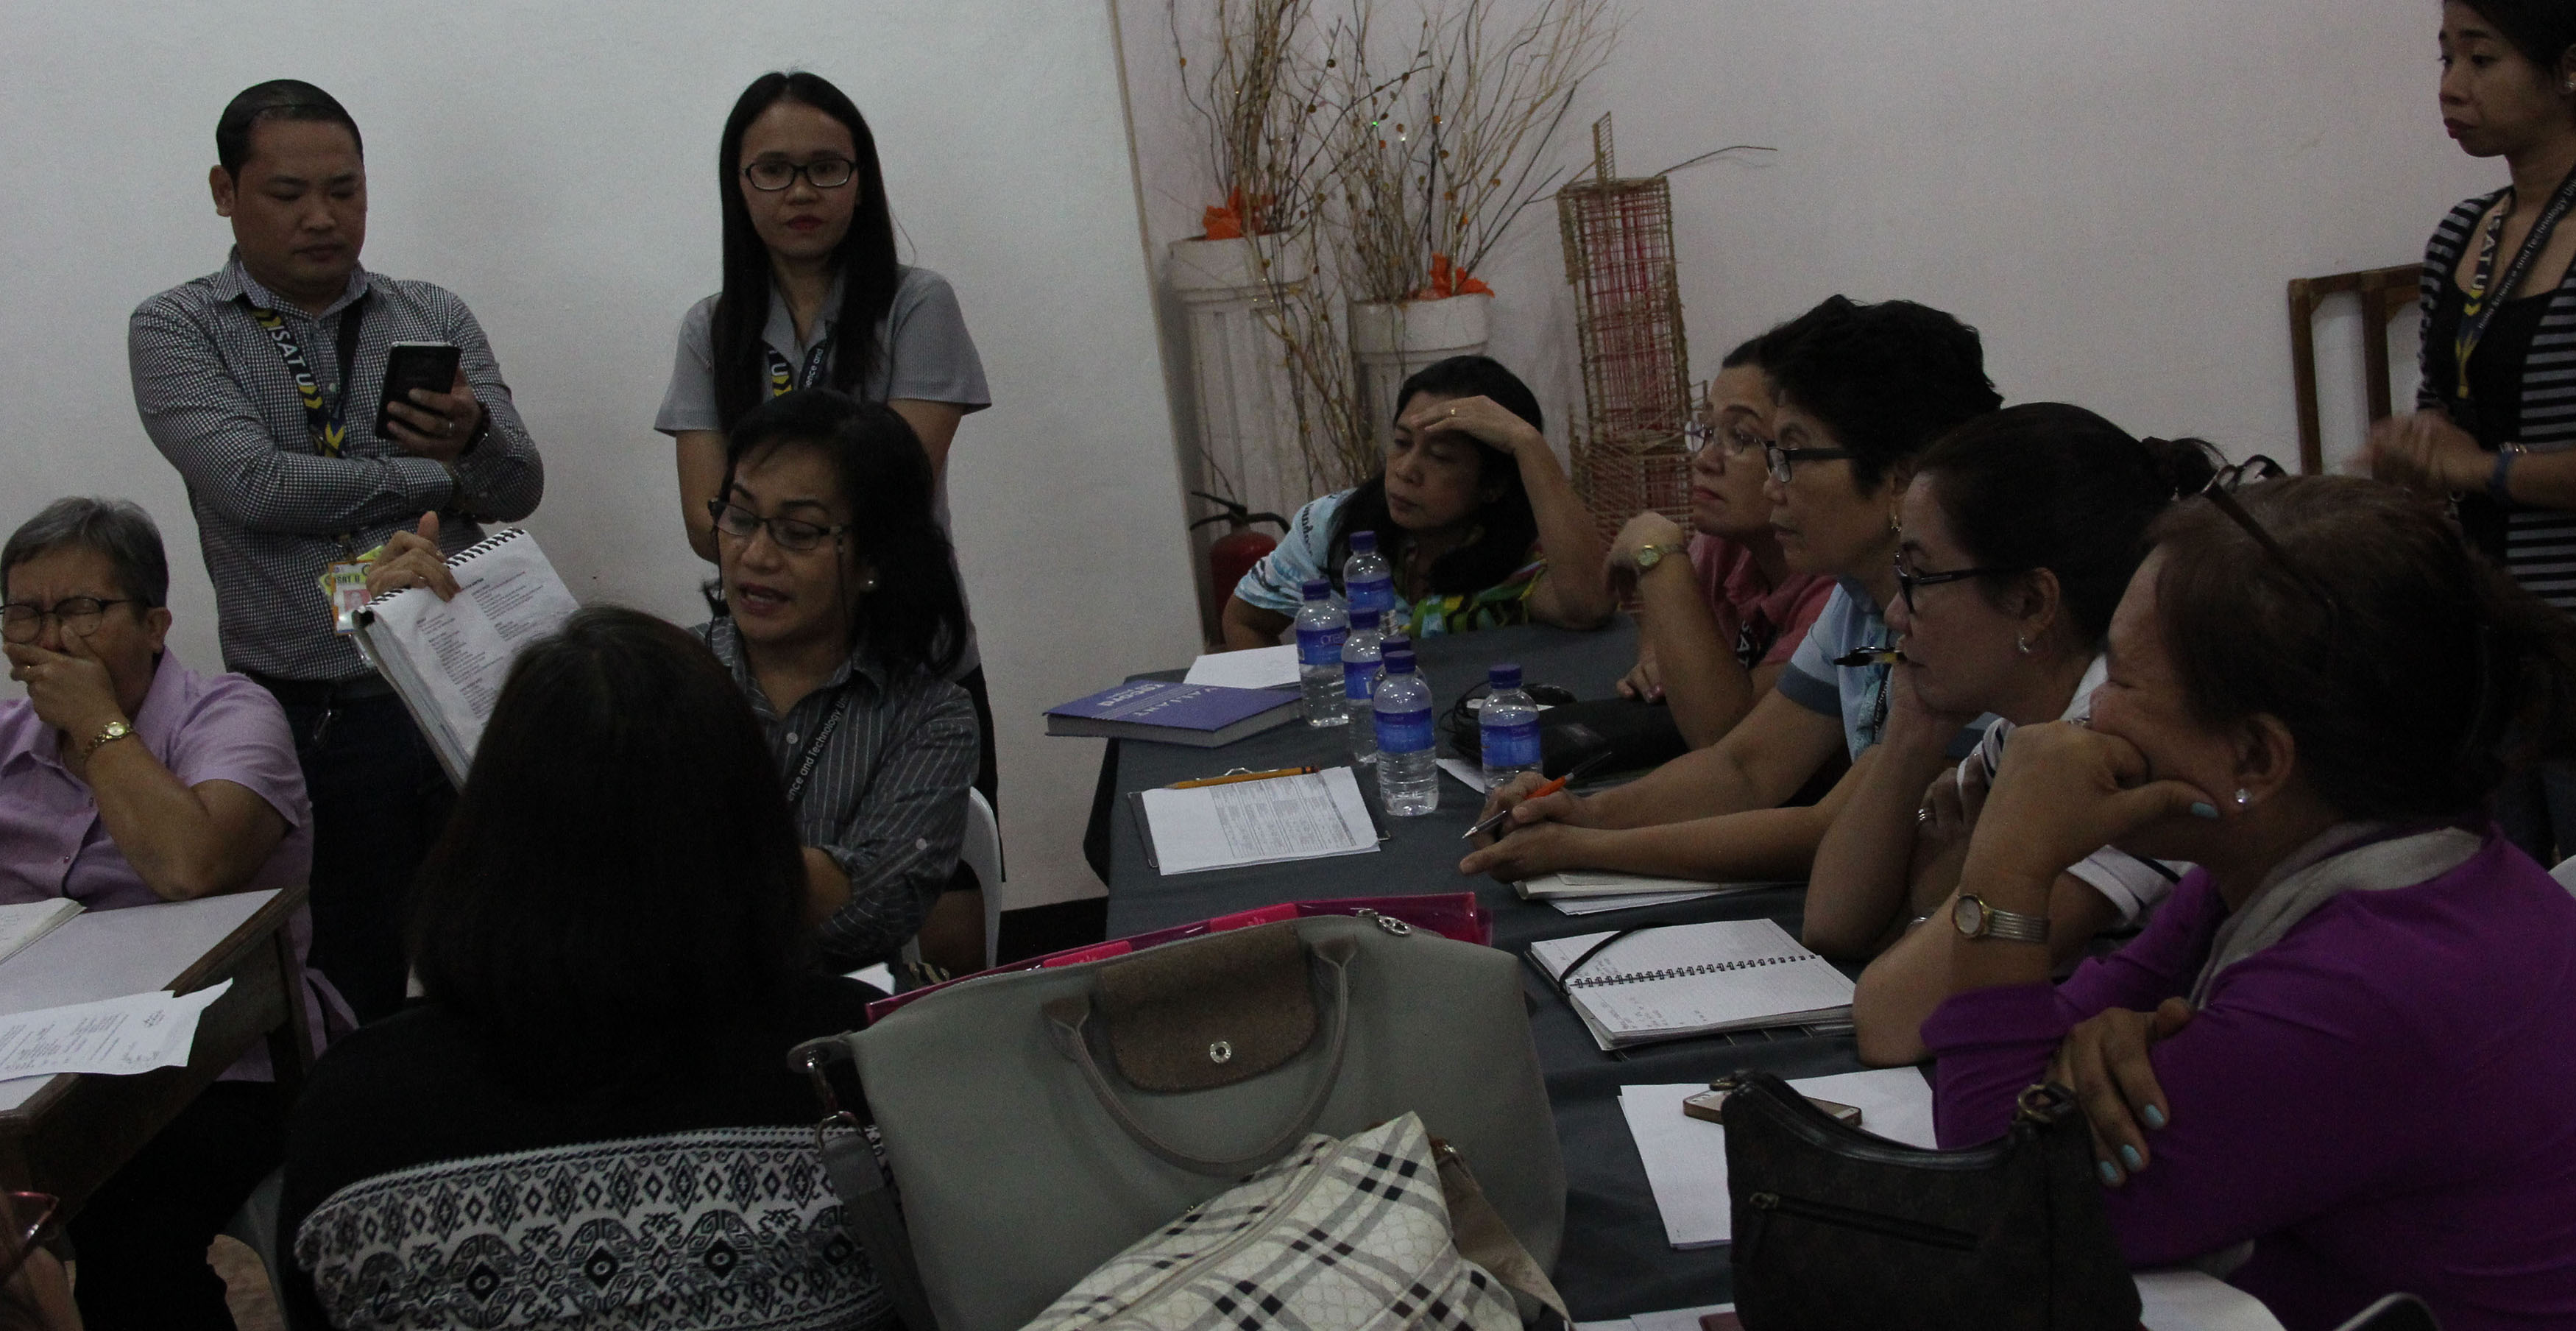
(1232, 555)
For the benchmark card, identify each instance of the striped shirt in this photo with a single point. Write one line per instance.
(272, 512)
(887, 796)
(2539, 543)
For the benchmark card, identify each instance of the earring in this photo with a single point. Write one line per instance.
(2244, 798)
(2023, 643)
(1893, 526)
(868, 583)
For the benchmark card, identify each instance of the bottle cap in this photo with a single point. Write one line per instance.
(1364, 542)
(1398, 662)
(1396, 642)
(1316, 589)
(1364, 618)
(1504, 676)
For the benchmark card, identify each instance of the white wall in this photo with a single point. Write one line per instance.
(552, 165)
(2114, 194)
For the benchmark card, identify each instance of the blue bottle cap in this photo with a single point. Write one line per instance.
(1396, 642)
(1398, 662)
(1363, 542)
(1504, 676)
(1364, 619)
(1316, 589)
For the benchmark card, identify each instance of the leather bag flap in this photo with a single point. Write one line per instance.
(1211, 1012)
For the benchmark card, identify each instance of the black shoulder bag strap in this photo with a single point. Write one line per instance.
(869, 1210)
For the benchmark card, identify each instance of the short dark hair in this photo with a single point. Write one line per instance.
(116, 528)
(2053, 486)
(281, 99)
(1887, 379)
(916, 617)
(1508, 525)
(2541, 30)
(2426, 680)
(621, 858)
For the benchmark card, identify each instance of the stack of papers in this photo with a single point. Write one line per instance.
(24, 923)
(1695, 979)
(1260, 668)
(117, 1036)
(1278, 818)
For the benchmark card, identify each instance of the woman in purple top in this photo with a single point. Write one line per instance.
(127, 779)
(2342, 1059)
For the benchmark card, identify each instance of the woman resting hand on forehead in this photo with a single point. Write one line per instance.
(1472, 513)
(2347, 1039)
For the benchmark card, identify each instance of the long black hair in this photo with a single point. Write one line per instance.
(1887, 379)
(865, 259)
(621, 865)
(915, 619)
(1505, 527)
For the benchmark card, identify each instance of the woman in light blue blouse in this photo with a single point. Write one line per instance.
(1471, 510)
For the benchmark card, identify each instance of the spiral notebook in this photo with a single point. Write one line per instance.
(1695, 979)
(447, 659)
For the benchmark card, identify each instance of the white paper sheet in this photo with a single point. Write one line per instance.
(26, 922)
(459, 651)
(1260, 668)
(117, 1036)
(1259, 822)
(1466, 773)
(2172, 1301)
(1611, 883)
(1685, 1157)
(1598, 905)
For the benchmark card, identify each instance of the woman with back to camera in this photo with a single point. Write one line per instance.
(613, 968)
(2347, 1038)
(1472, 512)
(815, 297)
(2495, 412)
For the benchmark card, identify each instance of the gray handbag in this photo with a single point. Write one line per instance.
(1039, 1122)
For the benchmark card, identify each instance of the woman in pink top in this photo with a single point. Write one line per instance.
(2342, 1059)
(128, 779)
(1714, 630)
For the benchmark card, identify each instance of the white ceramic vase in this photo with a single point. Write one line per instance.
(1246, 418)
(1394, 338)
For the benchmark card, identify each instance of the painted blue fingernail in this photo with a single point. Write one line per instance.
(2129, 1156)
(2110, 1173)
(2204, 809)
(2155, 1117)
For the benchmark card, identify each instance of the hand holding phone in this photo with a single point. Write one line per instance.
(409, 365)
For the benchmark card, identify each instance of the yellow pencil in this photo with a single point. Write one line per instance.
(1231, 777)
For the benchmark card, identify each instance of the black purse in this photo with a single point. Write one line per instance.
(1837, 1228)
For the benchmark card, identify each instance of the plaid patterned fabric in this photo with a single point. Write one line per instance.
(1340, 1234)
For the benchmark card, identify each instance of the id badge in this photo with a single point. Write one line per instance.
(344, 585)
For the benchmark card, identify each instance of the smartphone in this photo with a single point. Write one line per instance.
(1710, 1103)
(410, 365)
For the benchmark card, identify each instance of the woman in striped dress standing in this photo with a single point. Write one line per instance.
(2495, 423)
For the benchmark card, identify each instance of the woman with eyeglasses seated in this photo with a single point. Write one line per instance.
(2347, 1040)
(128, 779)
(589, 1119)
(1471, 511)
(814, 297)
(1715, 629)
(1862, 391)
(2021, 531)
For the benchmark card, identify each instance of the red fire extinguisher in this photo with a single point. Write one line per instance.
(1232, 555)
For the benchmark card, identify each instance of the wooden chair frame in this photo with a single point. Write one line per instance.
(2385, 294)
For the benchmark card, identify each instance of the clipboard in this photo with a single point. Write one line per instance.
(1369, 800)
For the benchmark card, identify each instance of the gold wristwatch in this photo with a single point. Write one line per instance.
(1650, 555)
(1973, 918)
(107, 734)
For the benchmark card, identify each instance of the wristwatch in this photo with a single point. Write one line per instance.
(1650, 555)
(1975, 919)
(107, 734)
(2500, 477)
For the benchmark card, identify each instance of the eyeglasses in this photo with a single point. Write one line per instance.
(1699, 434)
(1907, 579)
(770, 175)
(1781, 459)
(791, 534)
(2221, 492)
(22, 621)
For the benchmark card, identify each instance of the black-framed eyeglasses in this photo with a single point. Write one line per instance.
(1907, 579)
(791, 534)
(1779, 459)
(1699, 434)
(2221, 493)
(22, 621)
(770, 175)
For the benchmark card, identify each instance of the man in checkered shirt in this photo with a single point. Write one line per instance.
(283, 486)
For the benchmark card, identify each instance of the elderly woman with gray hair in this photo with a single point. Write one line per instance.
(126, 779)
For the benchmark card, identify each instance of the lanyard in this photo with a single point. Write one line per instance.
(814, 747)
(783, 376)
(2480, 311)
(327, 421)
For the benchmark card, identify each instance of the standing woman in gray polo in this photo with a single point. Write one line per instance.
(814, 297)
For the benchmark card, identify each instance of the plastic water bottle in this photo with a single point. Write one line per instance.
(1408, 781)
(1507, 728)
(1321, 627)
(1360, 653)
(1366, 579)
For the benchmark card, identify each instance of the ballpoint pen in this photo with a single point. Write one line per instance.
(1579, 769)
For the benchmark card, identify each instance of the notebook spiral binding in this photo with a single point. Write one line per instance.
(1676, 972)
(457, 560)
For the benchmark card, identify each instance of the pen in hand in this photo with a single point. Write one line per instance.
(1582, 768)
